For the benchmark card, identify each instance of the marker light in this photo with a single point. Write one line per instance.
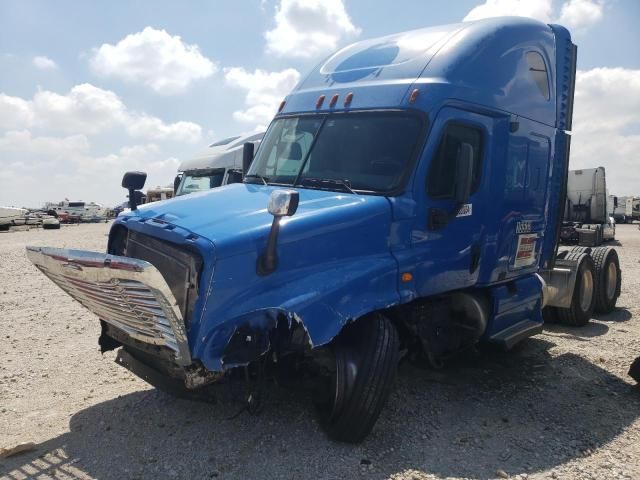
(348, 98)
(320, 101)
(407, 277)
(281, 105)
(333, 100)
(414, 95)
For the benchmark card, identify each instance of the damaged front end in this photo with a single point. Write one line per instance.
(137, 310)
(140, 311)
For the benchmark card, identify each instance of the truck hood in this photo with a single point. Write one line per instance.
(235, 217)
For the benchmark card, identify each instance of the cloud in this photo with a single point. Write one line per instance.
(45, 168)
(145, 126)
(44, 63)
(580, 14)
(15, 112)
(606, 126)
(155, 59)
(90, 110)
(307, 28)
(574, 14)
(85, 108)
(79, 143)
(265, 91)
(538, 9)
(53, 148)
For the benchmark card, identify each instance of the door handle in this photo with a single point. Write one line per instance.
(475, 258)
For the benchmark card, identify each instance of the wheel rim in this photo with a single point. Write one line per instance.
(586, 290)
(612, 280)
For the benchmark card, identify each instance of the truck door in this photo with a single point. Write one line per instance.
(447, 239)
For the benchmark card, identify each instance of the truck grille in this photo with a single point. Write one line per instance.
(180, 268)
(128, 293)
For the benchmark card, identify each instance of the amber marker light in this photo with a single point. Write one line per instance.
(414, 95)
(348, 98)
(320, 101)
(407, 277)
(281, 105)
(333, 100)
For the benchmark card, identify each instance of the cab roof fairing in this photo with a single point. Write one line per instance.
(481, 62)
(221, 156)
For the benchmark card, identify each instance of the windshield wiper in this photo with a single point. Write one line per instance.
(329, 182)
(254, 175)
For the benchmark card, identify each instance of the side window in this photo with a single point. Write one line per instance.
(538, 71)
(442, 174)
(234, 176)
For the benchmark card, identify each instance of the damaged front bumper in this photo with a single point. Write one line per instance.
(128, 294)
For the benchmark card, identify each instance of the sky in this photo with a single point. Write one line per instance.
(89, 90)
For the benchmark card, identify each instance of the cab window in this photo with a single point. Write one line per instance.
(442, 173)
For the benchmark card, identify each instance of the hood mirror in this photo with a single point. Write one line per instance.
(282, 203)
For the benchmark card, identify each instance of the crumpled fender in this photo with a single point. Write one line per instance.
(323, 302)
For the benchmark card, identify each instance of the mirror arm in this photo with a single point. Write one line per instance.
(132, 199)
(268, 260)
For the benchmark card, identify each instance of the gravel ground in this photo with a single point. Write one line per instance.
(559, 406)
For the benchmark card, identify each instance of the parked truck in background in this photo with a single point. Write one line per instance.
(407, 197)
(220, 164)
(632, 209)
(588, 215)
(620, 210)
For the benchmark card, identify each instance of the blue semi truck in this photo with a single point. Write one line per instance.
(406, 198)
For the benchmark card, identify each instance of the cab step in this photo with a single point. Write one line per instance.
(508, 337)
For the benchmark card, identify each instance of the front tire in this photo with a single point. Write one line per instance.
(583, 299)
(366, 360)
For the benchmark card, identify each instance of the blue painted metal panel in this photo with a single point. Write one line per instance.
(334, 259)
(513, 302)
(480, 62)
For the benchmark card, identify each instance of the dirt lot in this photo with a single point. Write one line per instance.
(559, 406)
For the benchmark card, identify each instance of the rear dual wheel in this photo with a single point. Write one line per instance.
(583, 298)
(597, 286)
(608, 278)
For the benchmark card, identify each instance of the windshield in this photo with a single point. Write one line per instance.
(363, 151)
(198, 181)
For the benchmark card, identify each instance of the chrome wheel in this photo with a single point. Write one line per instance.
(586, 290)
(612, 280)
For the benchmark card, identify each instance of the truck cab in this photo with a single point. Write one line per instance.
(220, 164)
(407, 197)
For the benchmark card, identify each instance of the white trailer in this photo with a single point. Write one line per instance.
(588, 218)
(632, 209)
(218, 165)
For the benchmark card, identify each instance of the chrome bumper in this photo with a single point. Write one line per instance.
(128, 293)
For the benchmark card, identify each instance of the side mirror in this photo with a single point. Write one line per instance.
(133, 181)
(464, 173)
(247, 156)
(283, 203)
(176, 183)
